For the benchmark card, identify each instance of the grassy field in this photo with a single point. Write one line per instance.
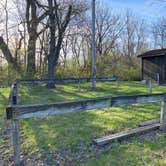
(67, 139)
(4, 92)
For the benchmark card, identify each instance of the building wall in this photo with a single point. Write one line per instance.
(154, 68)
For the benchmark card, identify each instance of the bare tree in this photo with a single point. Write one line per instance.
(108, 29)
(33, 19)
(60, 14)
(159, 32)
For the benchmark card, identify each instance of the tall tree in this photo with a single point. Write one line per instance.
(33, 20)
(60, 15)
(159, 32)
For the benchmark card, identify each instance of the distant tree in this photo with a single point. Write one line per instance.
(8, 55)
(108, 29)
(159, 32)
(33, 18)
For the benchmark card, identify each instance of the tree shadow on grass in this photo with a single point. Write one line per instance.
(67, 131)
(39, 94)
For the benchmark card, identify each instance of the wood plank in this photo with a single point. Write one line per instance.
(149, 122)
(40, 110)
(67, 80)
(124, 134)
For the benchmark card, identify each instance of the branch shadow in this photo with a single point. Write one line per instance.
(67, 132)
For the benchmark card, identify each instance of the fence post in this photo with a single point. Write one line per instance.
(150, 86)
(15, 128)
(158, 78)
(163, 115)
(15, 91)
(16, 143)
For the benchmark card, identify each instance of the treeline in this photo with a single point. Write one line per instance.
(52, 39)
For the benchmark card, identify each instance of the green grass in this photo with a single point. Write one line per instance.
(68, 92)
(44, 136)
(67, 131)
(147, 153)
(4, 92)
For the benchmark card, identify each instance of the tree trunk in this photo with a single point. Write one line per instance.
(55, 47)
(52, 45)
(31, 67)
(32, 23)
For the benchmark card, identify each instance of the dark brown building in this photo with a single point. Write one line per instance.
(154, 65)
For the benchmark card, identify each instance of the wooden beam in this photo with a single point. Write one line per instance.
(16, 142)
(124, 134)
(149, 122)
(67, 80)
(40, 110)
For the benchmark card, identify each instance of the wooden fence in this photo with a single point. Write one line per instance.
(66, 80)
(15, 112)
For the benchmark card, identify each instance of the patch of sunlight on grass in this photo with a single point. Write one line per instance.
(4, 93)
(71, 129)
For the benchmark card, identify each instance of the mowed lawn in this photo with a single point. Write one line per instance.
(4, 93)
(67, 139)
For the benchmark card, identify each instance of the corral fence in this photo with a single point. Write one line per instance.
(14, 111)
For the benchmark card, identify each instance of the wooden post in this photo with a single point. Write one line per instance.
(158, 78)
(16, 143)
(15, 129)
(14, 97)
(142, 68)
(163, 115)
(150, 86)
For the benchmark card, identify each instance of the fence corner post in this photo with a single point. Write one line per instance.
(163, 115)
(15, 128)
(16, 143)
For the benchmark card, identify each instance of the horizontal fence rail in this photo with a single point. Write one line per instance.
(67, 80)
(40, 110)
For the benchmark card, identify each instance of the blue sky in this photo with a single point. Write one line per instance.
(147, 9)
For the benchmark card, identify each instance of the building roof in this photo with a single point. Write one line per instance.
(153, 53)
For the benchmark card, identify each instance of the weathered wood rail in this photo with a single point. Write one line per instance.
(106, 139)
(40, 110)
(15, 112)
(66, 80)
